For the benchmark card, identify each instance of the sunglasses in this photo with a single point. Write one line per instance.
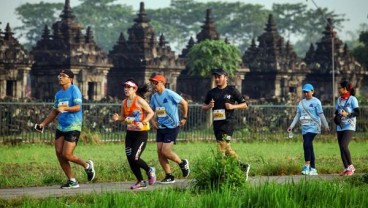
(154, 83)
(62, 76)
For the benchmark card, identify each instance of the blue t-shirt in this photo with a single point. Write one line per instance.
(348, 106)
(166, 107)
(69, 121)
(310, 122)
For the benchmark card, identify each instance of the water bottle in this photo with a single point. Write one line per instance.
(290, 134)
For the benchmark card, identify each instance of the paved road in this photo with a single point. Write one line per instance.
(55, 191)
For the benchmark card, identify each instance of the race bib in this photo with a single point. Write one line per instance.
(305, 120)
(161, 112)
(346, 120)
(138, 126)
(219, 115)
(63, 104)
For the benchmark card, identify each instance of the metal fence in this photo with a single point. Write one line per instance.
(258, 122)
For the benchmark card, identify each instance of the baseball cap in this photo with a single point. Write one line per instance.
(308, 87)
(67, 72)
(219, 72)
(158, 78)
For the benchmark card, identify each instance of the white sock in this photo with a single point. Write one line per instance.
(87, 166)
(73, 179)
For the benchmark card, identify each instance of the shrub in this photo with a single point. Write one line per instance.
(218, 172)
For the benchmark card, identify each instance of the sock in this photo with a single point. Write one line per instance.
(73, 179)
(87, 166)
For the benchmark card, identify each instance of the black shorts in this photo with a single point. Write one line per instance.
(221, 128)
(167, 135)
(70, 136)
(222, 135)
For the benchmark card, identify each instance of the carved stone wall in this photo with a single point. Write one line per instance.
(276, 73)
(68, 48)
(15, 65)
(142, 56)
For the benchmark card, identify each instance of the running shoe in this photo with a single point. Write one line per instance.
(245, 167)
(184, 166)
(90, 171)
(351, 168)
(139, 185)
(151, 176)
(342, 173)
(305, 170)
(168, 179)
(313, 171)
(70, 185)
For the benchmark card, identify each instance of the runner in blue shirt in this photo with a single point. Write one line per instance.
(347, 109)
(68, 109)
(310, 115)
(166, 120)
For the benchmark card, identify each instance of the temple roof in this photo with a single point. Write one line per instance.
(11, 51)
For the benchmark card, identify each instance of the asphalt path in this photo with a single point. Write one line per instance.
(99, 188)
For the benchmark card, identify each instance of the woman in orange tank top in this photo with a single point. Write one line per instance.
(136, 113)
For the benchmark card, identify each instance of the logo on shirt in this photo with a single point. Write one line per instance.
(227, 96)
(165, 100)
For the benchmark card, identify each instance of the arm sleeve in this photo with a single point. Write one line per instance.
(296, 119)
(323, 120)
(355, 113)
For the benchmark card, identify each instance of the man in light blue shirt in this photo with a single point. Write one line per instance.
(166, 120)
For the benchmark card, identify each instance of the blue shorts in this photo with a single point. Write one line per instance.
(167, 135)
(70, 136)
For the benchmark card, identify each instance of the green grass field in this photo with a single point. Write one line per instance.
(39, 162)
(36, 165)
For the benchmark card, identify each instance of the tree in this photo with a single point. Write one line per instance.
(208, 55)
(289, 18)
(34, 17)
(106, 18)
(361, 52)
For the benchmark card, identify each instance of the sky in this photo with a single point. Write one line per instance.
(356, 10)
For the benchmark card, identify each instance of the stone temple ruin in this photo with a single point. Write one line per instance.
(271, 71)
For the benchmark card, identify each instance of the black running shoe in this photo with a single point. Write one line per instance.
(90, 171)
(70, 185)
(245, 167)
(168, 179)
(184, 166)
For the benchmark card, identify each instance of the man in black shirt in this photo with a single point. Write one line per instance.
(223, 100)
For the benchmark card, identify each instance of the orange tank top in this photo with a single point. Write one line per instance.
(134, 114)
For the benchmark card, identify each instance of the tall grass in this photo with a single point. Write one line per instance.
(308, 193)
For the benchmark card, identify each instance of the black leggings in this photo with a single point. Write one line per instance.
(344, 137)
(308, 148)
(135, 143)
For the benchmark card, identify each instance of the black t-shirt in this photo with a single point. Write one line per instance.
(221, 96)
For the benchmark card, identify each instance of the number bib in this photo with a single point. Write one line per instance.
(219, 115)
(161, 112)
(63, 104)
(134, 126)
(305, 120)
